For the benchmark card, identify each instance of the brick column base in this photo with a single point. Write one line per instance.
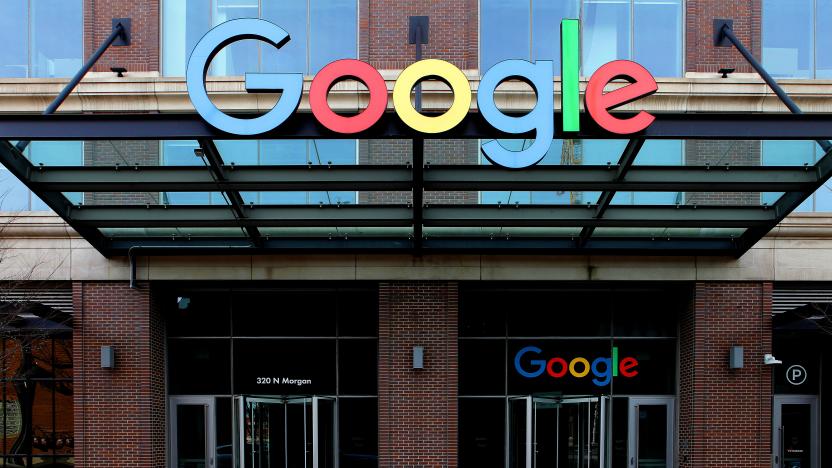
(725, 414)
(418, 407)
(120, 412)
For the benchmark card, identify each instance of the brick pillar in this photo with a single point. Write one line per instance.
(418, 408)
(142, 55)
(725, 414)
(120, 412)
(701, 55)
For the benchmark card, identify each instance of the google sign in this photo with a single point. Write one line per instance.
(538, 75)
(527, 362)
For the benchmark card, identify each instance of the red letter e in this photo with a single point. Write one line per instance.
(599, 103)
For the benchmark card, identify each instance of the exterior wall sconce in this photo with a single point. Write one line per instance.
(735, 359)
(108, 357)
(418, 357)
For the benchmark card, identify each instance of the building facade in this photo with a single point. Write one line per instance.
(344, 359)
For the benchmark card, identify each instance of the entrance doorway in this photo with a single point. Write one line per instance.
(560, 432)
(286, 432)
(192, 432)
(268, 432)
(650, 423)
(795, 431)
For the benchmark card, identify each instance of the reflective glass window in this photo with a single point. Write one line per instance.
(14, 56)
(606, 33)
(321, 31)
(611, 29)
(823, 53)
(56, 37)
(41, 38)
(657, 36)
(14, 196)
(788, 38)
(797, 153)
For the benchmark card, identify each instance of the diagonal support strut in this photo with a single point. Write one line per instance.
(624, 163)
(215, 163)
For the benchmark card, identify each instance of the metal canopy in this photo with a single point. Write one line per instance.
(602, 226)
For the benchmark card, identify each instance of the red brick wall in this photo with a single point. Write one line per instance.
(701, 55)
(725, 414)
(452, 36)
(418, 408)
(120, 412)
(143, 53)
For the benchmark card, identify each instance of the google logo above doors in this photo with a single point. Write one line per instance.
(538, 74)
(527, 363)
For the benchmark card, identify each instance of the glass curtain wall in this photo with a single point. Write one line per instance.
(570, 380)
(41, 38)
(281, 346)
(647, 31)
(795, 42)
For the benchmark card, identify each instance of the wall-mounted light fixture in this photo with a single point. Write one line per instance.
(108, 357)
(770, 360)
(735, 358)
(418, 357)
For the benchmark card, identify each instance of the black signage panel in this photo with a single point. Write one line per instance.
(799, 373)
(586, 367)
(284, 367)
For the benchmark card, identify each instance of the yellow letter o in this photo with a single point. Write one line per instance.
(583, 372)
(422, 70)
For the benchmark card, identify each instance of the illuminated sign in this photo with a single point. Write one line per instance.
(538, 75)
(527, 363)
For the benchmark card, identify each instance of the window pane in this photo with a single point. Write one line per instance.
(240, 57)
(657, 29)
(787, 38)
(358, 365)
(56, 37)
(185, 22)
(333, 28)
(181, 153)
(14, 61)
(481, 431)
(199, 367)
(280, 152)
(14, 196)
(240, 152)
(495, 44)
(787, 153)
(358, 439)
(56, 153)
(606, 37)
(290, 16)
(546, 17)
(823, 48)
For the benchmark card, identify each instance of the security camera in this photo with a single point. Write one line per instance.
(770, 360)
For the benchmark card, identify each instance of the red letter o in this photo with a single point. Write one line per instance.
(340, 70)
(563, 367)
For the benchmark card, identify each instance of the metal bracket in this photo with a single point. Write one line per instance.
(124, 38)
(418, 31)
(719, 37)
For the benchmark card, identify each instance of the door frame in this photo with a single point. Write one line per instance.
(531, 422)
(776, 424)
(209, 405)
(240, 401)
(632, 426)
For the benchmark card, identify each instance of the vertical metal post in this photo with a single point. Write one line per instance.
(418, 35)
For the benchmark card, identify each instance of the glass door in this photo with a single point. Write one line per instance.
(192, 442)
(555, 432)
(795, 431)
(286, 432)
(651, 423)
